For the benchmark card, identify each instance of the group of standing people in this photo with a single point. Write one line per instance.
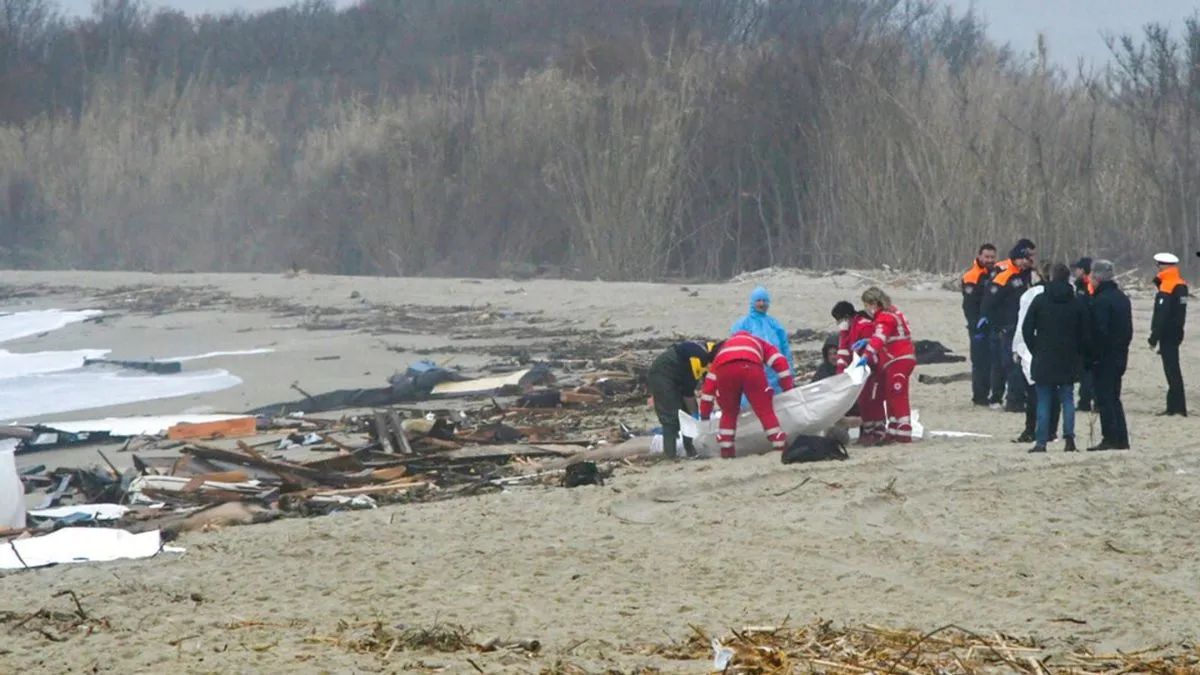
(755, 363)
(1037, 332)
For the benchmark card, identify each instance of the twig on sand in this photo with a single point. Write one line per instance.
(74, 598)
(794, 487)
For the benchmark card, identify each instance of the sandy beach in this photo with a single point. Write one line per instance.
(1094, 549)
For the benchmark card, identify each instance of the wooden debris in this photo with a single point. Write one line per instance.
(240, 426)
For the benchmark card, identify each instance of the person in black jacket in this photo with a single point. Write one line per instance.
(1055, 331)
(1112, 331)
(1166, 328)
(974, 283)
(1084, 288)
(672, 381)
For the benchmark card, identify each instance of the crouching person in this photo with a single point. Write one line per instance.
(672, 381)
(737, 369)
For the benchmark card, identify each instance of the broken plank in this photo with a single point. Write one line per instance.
(398, 431)
(381, 431)
(196, 482)
(395, 486)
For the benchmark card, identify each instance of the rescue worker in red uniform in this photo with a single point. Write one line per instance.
(890, 352)
(737, 369)
(853, 326)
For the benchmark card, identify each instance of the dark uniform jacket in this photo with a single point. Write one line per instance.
(1112, 325)
(1002, 300)
(682, 365)
(1170, 307)
(974, 283)
(1056, 332)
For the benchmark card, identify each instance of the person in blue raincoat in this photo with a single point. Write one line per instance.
(762, 325)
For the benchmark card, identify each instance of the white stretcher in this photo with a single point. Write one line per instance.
(808, 409)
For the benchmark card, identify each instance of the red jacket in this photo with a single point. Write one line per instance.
(861, 327)
(743, 346)
(892, 340)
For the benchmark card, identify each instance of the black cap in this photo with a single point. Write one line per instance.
(1084, 263)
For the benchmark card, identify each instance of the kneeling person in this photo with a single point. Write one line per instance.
(737, 368)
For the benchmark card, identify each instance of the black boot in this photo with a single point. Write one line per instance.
(1025, 437)
(1037, 448)
(1070, 446)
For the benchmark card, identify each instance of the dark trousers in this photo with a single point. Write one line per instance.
(1000, 351)
(1176, 400)
(1087, 389)
(1108, 374)
(1006, 374)
(668, 401)
(1031, 410)
(981, 368)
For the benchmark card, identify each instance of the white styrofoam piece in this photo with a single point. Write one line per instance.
(96, 511)
(12, 494)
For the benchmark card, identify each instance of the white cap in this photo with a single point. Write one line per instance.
(1166, 258)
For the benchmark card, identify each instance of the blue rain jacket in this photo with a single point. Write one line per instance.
(764, 326)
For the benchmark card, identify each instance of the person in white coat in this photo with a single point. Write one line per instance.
(1024, 359)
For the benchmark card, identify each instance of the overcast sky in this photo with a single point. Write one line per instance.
(1073, 28)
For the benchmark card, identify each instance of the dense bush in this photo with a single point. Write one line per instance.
(636, 139)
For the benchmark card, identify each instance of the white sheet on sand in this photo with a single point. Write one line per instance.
(25, 324)
(81, 544)
(808, 409)
(149, 425)
(96, 511)
(33, 395)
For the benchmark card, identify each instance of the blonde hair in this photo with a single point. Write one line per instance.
(876, 296)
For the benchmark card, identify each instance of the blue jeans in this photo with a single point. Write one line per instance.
(1045, 398)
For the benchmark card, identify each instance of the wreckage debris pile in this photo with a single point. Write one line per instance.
(244, 470)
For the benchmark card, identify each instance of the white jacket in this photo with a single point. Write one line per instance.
(1021, 353)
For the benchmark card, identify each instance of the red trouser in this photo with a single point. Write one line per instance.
(899, 415)
(733, 379)
(871, 409)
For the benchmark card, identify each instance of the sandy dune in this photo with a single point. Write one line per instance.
(1097, 549)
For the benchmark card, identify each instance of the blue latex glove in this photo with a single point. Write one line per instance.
(696, 415)
(857, 346)
(862, 361)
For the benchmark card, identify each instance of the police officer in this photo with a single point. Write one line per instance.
(1166, 328)
(974, 283)
(998, 318)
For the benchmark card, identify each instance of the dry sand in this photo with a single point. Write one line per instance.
(1098, 549)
